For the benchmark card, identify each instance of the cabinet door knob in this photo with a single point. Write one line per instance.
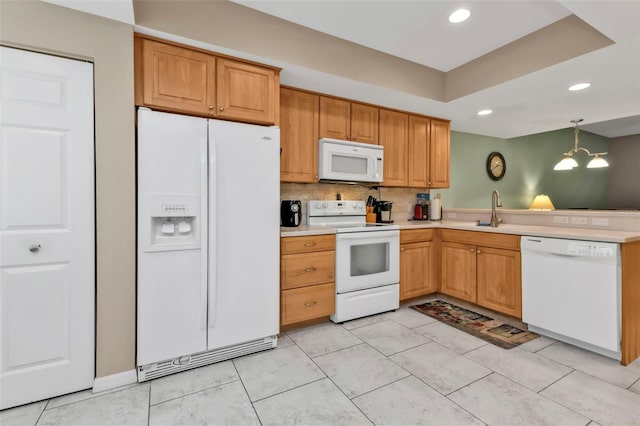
(402, 249)
(221, 108)
(309, 244)
(478, 252)
(312, 269)
(471, 250)
(309, 304)
(210, 106)
(34, 248)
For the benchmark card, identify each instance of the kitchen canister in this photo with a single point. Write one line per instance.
(436, 208)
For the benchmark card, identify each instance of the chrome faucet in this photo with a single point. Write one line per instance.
(495, 202)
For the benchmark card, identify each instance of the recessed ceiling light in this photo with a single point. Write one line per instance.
(579, 86)
(459, 16)
(485, 112)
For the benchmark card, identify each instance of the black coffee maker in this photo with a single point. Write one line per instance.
(290, 211)
(382, 209)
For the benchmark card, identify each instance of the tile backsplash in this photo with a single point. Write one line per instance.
(403, 198)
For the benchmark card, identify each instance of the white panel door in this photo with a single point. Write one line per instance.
(47, 273)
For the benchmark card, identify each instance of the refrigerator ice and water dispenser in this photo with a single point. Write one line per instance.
(173, 222)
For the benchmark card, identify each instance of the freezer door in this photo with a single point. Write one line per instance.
(172, 230)
(244, 203)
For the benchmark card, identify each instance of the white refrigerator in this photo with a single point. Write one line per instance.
(208, 241)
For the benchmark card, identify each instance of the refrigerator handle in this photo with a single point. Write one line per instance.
(204, 221)
(212, 280)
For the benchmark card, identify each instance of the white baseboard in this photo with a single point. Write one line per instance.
(101, 384)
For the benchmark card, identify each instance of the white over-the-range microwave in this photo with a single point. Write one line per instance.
(349, 161)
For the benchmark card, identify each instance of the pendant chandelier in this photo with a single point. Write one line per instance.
(568, 162)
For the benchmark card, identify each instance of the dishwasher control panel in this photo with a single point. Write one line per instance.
(589, 249)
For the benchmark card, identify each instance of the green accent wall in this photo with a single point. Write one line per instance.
(530, 161)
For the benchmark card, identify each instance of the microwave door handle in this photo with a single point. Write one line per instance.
(378, 167)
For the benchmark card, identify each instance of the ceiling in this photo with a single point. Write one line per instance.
(408, 56)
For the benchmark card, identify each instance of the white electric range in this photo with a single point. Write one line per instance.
(367, 259)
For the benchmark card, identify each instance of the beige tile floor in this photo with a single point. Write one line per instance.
(397, 368)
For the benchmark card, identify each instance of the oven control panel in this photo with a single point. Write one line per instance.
(336, 208)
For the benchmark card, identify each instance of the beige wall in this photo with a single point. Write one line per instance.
(45, 27)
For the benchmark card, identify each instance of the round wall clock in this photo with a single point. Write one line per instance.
(496, 166)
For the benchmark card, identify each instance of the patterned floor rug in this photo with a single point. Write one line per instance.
(481, 326)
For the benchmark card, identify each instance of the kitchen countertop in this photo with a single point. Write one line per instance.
(587, 234)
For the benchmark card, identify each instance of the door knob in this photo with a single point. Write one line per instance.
(34, 248)
(221, 108)
(210, 106)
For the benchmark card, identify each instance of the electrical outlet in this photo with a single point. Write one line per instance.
(452, 215)
(579, 220)
(561, 219)
(600, 221)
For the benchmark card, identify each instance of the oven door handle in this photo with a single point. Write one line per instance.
(369, 235)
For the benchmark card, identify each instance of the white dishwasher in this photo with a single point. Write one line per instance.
(571, 292)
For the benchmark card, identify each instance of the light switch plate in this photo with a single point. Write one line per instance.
(561, 219)
(600, 221)
(579, 220)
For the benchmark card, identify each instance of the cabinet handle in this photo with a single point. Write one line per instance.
(210, 106)
(221, 108)
(471, 250)
(478, 252)
(34, 248)
(312, 269)
(309, 244)
(402, 249)
(310, 304)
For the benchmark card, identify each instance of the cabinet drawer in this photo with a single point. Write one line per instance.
(306, 244)
(486, 239)
(415, 235)
(307, 303)
(299, 270)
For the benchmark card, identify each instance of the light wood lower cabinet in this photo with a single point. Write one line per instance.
(303, 304)
(458, 270)
(307, 275)
(499, 280)
(417, 276)
(482, 268)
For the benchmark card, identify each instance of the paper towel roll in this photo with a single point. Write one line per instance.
(436, 208)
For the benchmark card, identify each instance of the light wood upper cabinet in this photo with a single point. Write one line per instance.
(298, 136)
(429, 147)
(393, 137)
(499, 280)
(364, 123)
(177, 78)
(335, 118)
(439, 154)
(340, 119)
(418, 171)
(246, 92)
